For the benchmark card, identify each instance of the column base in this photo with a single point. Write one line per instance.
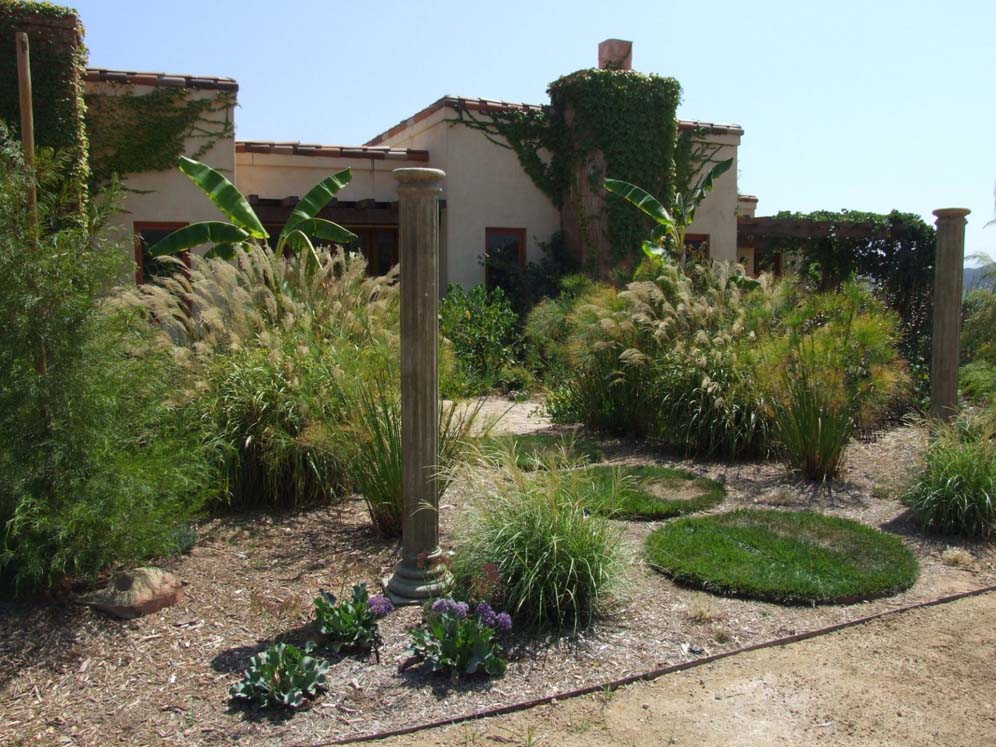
(415, 580)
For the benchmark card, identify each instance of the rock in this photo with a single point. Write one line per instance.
(136, 592)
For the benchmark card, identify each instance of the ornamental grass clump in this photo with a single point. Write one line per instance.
(557, 561)
(351, 624)
(282, 676)
(453, 641)
(955, 490)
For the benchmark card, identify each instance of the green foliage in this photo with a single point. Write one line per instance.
(649, 492)
(282, 676)
(557, 563)
(481, 326)
(542, 450)
(58, 64)
(301, 227)
(625, 117)
(977, 381)
(978, 331)
(782, 556)
(351, 624)
(529, 285)
(132, 134)
(547, 329)
(955, 490)
(898, 259)
(100, 466)
(269, 346)
(455, 642)
(671, 360)
(370, 441)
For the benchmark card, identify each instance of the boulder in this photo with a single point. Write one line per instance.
(136, 592)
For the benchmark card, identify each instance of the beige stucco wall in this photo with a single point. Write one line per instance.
(168, 196)
(485, 188)
(717, 215)
(272, 175)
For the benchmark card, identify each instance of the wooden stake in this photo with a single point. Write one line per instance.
(27, 127)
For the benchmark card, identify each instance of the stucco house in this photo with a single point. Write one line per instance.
(489, 203)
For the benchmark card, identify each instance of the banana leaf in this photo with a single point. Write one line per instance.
(641, 199)
(319, 228)
(196, 234)
(224, 195)
(318, 197)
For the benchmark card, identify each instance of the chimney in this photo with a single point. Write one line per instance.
(615, 54)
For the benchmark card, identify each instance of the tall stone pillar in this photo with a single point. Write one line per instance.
(419, 574)
(948, 274)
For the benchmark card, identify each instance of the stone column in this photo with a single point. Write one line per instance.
(419, 574)
(948, 274)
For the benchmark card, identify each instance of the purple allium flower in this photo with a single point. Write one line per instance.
(380, 605)
(503, 622)
(485, 614)
(460, 610)
(440, 606)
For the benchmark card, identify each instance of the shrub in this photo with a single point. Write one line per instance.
(557, 563)
(282, 676)
(270, 344)
(977, 381)
(783, 556)
(547, 329)
(671, 359)
(480, 324)
(100, 467)
(455, 642)
(352, 623)
(955, 490)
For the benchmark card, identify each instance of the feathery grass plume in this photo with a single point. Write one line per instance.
(556, 563)
(271, 343)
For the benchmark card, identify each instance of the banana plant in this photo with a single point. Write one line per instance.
(671, 225)
(245, 227)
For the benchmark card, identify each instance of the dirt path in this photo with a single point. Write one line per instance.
(919, 678)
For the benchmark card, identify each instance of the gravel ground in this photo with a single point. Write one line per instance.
(69, 676)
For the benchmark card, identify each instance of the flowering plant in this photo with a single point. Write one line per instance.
(455, 641)
(352, 623)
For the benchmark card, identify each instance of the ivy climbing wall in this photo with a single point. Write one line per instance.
(58, 63)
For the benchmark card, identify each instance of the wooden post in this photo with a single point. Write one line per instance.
(420, 574)
(27, 125)
(948, 273)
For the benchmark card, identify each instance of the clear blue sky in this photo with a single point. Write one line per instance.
(867, 105)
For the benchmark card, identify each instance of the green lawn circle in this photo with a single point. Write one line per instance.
(649, 492)
(791, 557)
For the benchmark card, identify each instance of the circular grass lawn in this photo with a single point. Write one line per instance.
(542, 450)
(792, 557)
(649, 492)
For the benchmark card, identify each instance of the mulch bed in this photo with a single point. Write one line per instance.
(71, 676)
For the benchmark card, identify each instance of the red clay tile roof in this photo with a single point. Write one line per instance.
(486, 105)
(160, 80)
(331, 151)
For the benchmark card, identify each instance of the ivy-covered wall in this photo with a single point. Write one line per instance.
(132, 131)
(599, 123)
(58, 64)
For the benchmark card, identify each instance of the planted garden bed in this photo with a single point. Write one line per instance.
(68, 672)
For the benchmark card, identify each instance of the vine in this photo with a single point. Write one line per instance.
(58, 65)
(599, 123)
(134, 133)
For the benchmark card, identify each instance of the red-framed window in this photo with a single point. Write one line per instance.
(379, 245)
(504, 249)
(147, 234)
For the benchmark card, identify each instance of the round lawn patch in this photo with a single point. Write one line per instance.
(541, 450)
(792, 557)
(650, 492)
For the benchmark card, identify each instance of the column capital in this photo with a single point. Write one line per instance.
(946, 214)
(418, 178)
